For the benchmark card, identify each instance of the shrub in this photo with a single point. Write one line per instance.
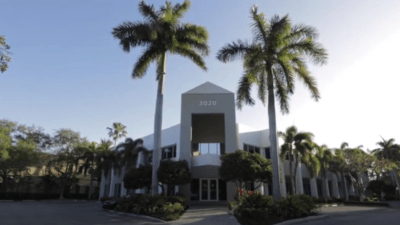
(294, 206)
(353, 198)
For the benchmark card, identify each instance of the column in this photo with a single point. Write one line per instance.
(335, 187)
(111, 194)
(123, 190)
(260, 188)
(266, 189)
(327, 188)
(102, 184)
(313, 186)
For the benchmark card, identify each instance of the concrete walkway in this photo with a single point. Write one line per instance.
(206, 215)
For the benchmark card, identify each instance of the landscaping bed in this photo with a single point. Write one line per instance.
(256, 209)
(167, 208)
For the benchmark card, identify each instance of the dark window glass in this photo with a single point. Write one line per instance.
(256, 149)
(222, 146)
(80, 169)
(245, 147)
(267, 153)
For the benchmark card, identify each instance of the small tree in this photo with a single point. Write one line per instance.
(174, 173)
(4, 54)
(244, 168)
(137, 178)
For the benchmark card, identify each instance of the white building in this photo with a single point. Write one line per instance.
(207, 130)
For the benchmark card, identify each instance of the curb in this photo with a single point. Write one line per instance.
(302, 220)
(136, 216)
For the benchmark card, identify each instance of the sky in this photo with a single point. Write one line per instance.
(67, 70)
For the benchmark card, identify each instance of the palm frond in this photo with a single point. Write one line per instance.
(180, 9)
(192, 55)
(260, 26)
(234, 51)
(281, 92)
(243, 93)
(312, 49)
(148, 56)
(133, 35)
(148, 11)
(309, 81)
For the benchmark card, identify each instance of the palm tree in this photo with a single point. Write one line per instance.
(162, 32)
(295, 144)
(337, 164)
(324, 156)
(271, 61)
(389, 150)
(129, 152)
(118, 131)
(89, 156)
(106, 159)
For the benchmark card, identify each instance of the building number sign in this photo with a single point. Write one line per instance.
(208, 103)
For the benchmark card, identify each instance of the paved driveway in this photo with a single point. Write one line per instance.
(354, 215)
(84, 213)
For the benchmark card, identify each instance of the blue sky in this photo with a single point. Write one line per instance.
(67, 70)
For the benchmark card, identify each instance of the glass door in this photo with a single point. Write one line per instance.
(209, 189)
(204, 189)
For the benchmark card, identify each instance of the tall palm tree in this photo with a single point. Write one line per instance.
(106, 159)
(271, 61)
(324, 156)
(337, 164)
(295, 144)
(129, 152)
(89, 156)
(162, 33)
(389, 150)
(117, 131)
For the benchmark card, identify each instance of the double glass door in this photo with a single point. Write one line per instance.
(208, 189)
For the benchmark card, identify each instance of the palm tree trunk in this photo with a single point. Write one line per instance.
(157, 127)
(344, 187)
(277, 176)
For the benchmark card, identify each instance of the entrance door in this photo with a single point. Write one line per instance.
(208, 189)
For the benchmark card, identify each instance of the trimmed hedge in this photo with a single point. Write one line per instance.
(164, 207)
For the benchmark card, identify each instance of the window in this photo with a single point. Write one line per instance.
(150, 157)
(168, 152)
(208, 149)
(117, 190)
(267, 153)
(251, 148)
(80, 169)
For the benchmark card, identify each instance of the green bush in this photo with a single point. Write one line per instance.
(258, 201)
(164, 207)
(353, 198)
(294, 206)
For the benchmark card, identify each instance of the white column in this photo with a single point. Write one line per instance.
(261, 188)
(123, 190)
(266, 189)
(313, 187)
(102, 184)
(335, 187)
(328, 195)
(111, 194)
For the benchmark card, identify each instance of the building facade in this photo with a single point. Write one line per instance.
(208, 129)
